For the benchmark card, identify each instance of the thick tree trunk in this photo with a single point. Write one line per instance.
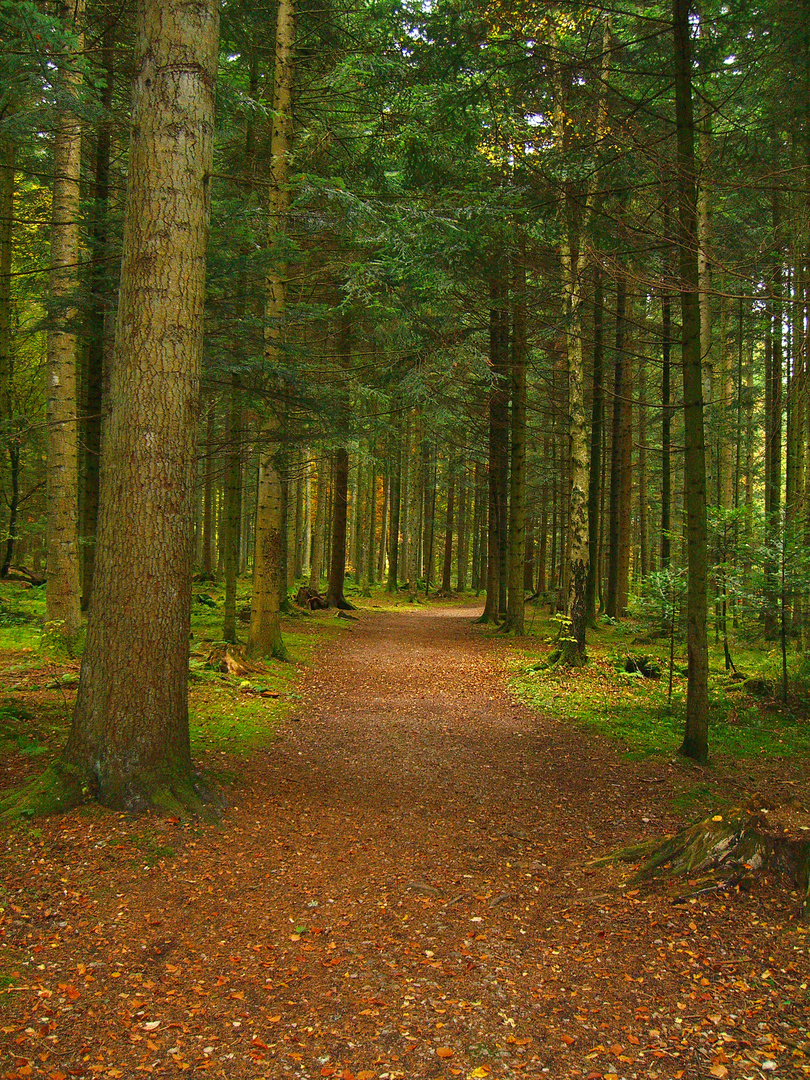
(695, 742)
(7, 164)
(99, 324)
(62, 597)
(130, 734)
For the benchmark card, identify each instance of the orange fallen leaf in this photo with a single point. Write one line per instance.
(569, 1040)
(444, 1052)
(366, 1074)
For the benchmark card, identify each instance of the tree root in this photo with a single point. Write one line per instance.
(728, 849)
(59, 788)
(63, 786)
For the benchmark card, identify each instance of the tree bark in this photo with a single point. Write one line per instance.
(62, 597)
(449, 525)
(130, 736)
(269, 559)
(337, 568)
(515, 622)
(695, 742)
(233, 505)
(595, 474)
(7, 165)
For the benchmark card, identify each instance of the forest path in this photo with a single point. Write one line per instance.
(399, 890)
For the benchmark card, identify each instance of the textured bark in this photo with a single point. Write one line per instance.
(372, 524)
(395, 513)
(9, 442)
(337, 567)
(207, 539)
(597, 435)
(614, 530)
(449, 525)
(497, 553)
(233, 505)
(695, 742)
(319, 532)
(265, 626)
(264, 635)
(517, 474)
(666, 400)
(130, 728)
(62, 597)
(575, 230)
(100, 326)
(463, 532)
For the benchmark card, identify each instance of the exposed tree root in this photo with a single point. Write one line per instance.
(232, 659)
(58, 789)
(63, 787)
(728, 849)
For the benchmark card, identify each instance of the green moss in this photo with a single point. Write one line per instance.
(58, 789)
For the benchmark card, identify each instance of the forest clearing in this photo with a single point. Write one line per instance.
(401, 884)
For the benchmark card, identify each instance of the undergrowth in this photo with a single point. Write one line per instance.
(638, 711)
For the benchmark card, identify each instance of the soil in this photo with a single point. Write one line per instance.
(400, 888)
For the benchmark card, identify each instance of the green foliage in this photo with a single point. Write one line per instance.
(634, 710)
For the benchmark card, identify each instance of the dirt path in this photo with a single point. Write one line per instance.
(399, 890)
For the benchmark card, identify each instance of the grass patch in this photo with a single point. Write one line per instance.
(635, 710)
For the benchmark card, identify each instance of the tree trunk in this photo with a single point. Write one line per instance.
(463, 532)
(319, 534)
(264, 635)
(595, 475)
(7, 164)
(337, 568)
(395, 500)
(233, 505)
(614, 534)
(516, 595)
(62, 597)
(695, 742)
(130, 736)
(99, 323)
(207, 561)
(449, 525)
(270, 541)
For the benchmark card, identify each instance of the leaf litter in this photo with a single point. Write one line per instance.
(399, 889)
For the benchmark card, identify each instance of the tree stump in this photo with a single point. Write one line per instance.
(728, 849)
(231, 659)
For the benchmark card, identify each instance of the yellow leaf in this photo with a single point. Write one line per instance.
(480, 1072)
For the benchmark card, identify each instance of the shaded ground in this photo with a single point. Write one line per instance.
(398, 890)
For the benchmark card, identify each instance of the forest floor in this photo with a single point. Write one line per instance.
(400, 888)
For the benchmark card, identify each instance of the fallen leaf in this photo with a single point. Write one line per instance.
(481, 1071)
(718, 1070)
(569, 1040)
(444, 1052)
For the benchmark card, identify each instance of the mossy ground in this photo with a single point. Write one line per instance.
(229, 716)
(639, 712)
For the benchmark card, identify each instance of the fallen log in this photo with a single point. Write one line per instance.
(729, 849)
